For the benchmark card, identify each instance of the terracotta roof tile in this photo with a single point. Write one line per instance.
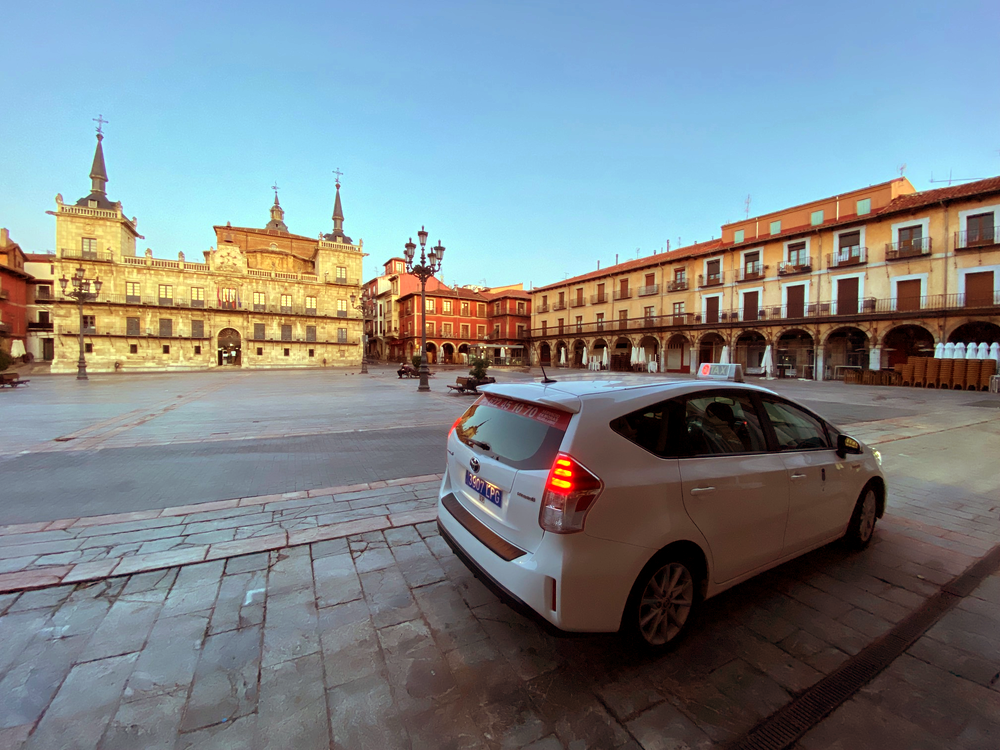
(681, 253)
(927, 197)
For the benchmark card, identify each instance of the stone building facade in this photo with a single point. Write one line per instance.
(261, 298)
(14, 289)
(861, 280)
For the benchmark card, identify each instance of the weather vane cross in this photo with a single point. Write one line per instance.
(274, 187)
(338, 173)
(101, 122)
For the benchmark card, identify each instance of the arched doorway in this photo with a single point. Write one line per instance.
(845, 348)
(649, 348)
(750, 346)
(448, 350)
(907, 341)
(230, 348)
(431, 352)
(710, 348)
(978, 331)
(463, 353)
(562, 353)
(578, 347)
(678, 354)
(795, 350)
(621, 355)
(602, 353)
(545, 355)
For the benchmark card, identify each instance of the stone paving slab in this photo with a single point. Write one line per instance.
(384, 639)
(83, 549)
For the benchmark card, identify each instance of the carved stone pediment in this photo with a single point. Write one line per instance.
(228, 259)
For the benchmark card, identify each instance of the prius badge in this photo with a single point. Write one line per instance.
(474, 464)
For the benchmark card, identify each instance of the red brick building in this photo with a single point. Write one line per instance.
(13, 296)
(463, 322)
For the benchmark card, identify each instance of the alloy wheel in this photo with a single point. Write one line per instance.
(666, 603)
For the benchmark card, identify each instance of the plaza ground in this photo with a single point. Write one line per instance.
(313, 604)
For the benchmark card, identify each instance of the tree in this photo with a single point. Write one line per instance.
(479, 366)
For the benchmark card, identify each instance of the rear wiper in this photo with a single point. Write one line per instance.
(479, 444)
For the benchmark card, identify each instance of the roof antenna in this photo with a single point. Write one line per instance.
(748, 205)
(545, 378)
(901, 168)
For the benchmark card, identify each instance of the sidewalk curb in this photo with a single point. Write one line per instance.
(55, 575)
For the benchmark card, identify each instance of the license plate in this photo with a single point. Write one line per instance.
(488, 491)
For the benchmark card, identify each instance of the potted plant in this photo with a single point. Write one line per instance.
(478, 371)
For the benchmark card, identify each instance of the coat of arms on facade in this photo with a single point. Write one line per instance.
(228, 260)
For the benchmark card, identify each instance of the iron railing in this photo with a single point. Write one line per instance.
(802, 265)
(102, 256)
(598, 299)
(623, 294)
(678, 285)
(972, 239)
(751, 272)
(865, 307)
(854, 255)
(648, 290)
(711, 279)
(908, 249)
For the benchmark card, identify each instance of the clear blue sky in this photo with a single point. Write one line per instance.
(533, 138)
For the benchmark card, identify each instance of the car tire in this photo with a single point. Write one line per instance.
(861, 528)
(664, 602)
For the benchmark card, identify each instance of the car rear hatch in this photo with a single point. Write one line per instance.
(499, 456)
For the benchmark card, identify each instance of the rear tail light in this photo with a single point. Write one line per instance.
(570, 492)
(455, 425)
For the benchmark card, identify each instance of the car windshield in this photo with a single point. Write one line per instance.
(518, 434)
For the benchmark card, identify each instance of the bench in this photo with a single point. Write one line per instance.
(12, 379)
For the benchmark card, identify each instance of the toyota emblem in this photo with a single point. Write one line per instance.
(474, 464)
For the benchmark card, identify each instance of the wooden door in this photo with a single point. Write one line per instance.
(796, 301)
(908, 295)
(979, 289)
(712, 310)
(847, 296)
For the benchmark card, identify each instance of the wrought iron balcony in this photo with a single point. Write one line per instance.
(711, 279)
(649, 290)
(678, 285)
(855, 255)
(599, 299)
(802, 265)
(908, 249)
(973, 239)
(751, 272)
(623, 294)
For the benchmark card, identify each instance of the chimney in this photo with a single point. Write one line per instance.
(4, 237)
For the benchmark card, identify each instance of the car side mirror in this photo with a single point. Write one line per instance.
(846, 445)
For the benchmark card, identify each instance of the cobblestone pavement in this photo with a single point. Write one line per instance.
(383, 639)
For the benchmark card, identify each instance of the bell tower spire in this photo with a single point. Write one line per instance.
(337, 235)
(98, 197)
(277, 221)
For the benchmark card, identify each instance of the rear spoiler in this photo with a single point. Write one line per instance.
(571, 405)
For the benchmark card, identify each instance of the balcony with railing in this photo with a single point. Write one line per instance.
(792, 267)
(38, 325)
(908, 249)
(599, 299)
(101, 256)
(751, 272)
(43, 297)
(677, 285)
(542, 308)
(976, 239)
(649, 290)
(341, 281)
(558, 306)
(711, 279)
(623, 294)
(855, 255)
(861, 309)
(577, 302)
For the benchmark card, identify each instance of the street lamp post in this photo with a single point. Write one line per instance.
(81, 293)
(429, 265)
(366, 307)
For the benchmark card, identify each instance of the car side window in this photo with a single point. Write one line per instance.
(722, 423)
(658, 429)
(795, 429)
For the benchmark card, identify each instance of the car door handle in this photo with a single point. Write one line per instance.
(702, 490)
(798, 476)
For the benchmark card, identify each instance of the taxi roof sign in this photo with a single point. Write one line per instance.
(719, 371)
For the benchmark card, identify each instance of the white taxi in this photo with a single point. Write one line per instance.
(611, 507)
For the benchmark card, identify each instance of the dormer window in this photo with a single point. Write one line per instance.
(92, 204)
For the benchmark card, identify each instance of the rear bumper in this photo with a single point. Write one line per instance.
(592, 577)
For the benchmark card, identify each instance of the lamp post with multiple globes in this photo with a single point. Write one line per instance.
(430, 264)
(366, 307)
(81, 292)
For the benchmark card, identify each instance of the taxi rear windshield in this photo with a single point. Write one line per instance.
(521, 435)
